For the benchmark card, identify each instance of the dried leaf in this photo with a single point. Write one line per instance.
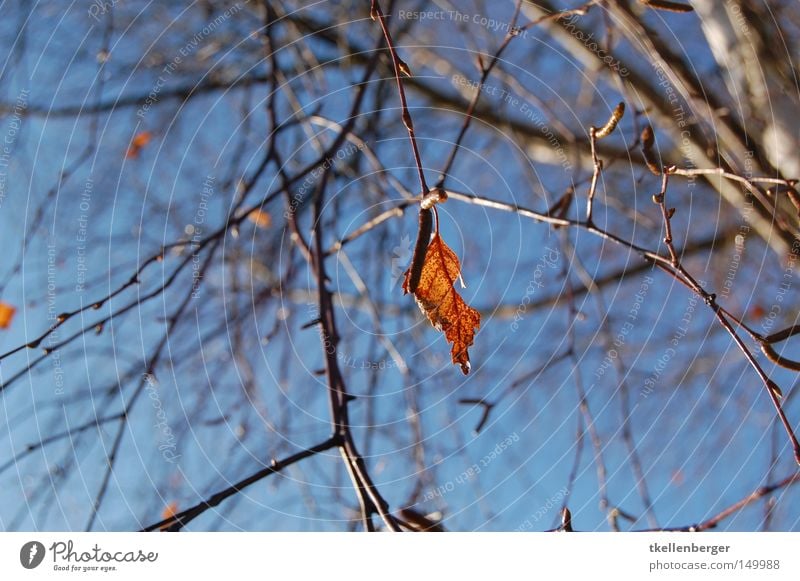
(170, 510)
(260, 218)
(139, 141)
(6, 315)
(439, 301)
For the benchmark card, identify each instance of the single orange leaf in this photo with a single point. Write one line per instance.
(260, 218)
(439, 301)
(6, 315)
(170, 510)
(139, 141)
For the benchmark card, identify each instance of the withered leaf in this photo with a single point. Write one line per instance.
(260, 218)
(6, 315)
(170, 510)
(139, 142)
(441, 303)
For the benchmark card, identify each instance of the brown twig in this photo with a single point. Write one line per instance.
(660, 199)
(669, 266)
(770, 352)
(399, 66)
(486, 70)
(772, 388)
(177, 521)
(667, 5)
(566, 520)
(754, 496)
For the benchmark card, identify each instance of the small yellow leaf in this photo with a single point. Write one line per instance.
(441, 303)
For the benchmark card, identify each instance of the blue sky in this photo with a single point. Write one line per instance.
(705, 433)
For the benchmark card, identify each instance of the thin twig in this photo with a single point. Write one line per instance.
(399, 66)
(178, 521)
